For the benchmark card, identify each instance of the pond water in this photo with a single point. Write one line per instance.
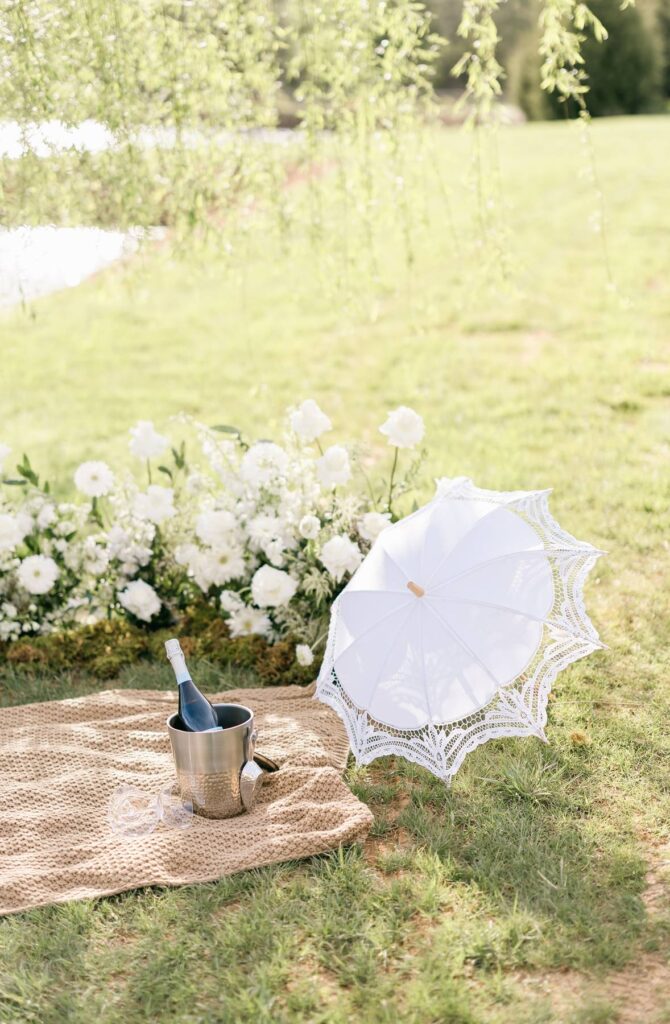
(36, 261)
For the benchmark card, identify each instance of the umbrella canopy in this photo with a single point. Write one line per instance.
(455, 626)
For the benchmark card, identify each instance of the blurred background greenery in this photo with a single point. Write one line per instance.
(628, 75)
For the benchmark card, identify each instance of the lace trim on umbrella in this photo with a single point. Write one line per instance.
(518, 709)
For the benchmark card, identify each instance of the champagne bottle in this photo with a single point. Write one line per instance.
(195, 711)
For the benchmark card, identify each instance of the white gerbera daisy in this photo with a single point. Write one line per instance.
(94, 479)
(37, 574)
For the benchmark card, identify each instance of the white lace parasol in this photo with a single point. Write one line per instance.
(455, 626)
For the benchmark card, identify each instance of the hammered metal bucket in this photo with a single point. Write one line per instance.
(216, 770)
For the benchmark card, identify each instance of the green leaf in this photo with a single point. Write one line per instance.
(224, 428)
(164, 469)
(15, 483)
(26, 470)
(179, 455)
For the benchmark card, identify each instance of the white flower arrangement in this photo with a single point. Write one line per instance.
(265, 533)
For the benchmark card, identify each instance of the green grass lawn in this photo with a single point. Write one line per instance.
(519, 895)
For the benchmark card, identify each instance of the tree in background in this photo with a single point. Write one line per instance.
(628, 75)
(663, 21)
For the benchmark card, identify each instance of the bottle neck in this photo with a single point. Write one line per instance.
(182, 674)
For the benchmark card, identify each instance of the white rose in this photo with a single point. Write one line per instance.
(264, 463)
(272, 587)
(309, 527)
(215, 527)
(37, 574)
(304, 655)
(372, 524)
(340, 555)
(247, 621)
(145, 442)
(141, 600)
(94, 479)
(404, 428)
(333, 468)
(12, 530)
(5, 451)
(309, 422)
(156, 505)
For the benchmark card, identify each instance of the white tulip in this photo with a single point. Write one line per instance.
(309, 422)
(404, 428)
(333, 468)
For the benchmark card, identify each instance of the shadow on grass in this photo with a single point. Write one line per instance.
(523, 825)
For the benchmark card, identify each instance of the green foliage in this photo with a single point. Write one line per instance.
(512, 900)
(663, 25)
(104, 650)
(186, 90)
(620, 75)
(624, 75)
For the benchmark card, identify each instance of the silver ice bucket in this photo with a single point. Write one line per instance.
(216, 770)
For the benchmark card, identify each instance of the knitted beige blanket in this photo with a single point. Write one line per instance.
(60, 761)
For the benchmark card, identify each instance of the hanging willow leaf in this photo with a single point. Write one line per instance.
(224, 428)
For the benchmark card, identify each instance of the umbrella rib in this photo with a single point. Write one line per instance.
(516, 554)
(375, 624)
(463, 539)
(393, 562)
(490, 604)
(466, 647)
(423, 670)
(390, 650)
(514, 611)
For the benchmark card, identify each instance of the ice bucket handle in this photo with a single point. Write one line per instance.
(251, 778)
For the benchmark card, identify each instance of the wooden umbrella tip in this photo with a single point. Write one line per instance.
(416, 589)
